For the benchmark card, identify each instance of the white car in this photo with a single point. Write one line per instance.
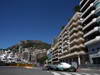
(65, 67)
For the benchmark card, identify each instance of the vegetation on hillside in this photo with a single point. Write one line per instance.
(36, 44)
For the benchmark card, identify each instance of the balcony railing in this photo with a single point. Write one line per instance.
(93, 41)
(81, 2)
(74, 48)
(79, 27)
(84, 5)
(73, 54)
(73, 36)
(87, 10)
(97, 12)
(92, 31)
(73, 30)
(80, 40)
(92, 12)
(89, 24)
(80, 33)
(72, 25)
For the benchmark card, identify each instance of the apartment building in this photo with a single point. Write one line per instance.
(77, 47)
(70, 43)
(63, 40)
(91, 27)
(49, 55)
(55, 53)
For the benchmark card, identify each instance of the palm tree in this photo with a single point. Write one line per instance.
(62, 27)
(77, 8)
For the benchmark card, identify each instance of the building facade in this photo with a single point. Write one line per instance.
(91, 27)
(55, 53)
(49, 55)
(70, 43)
(77, 48)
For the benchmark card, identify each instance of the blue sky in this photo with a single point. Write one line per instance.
(33, 19)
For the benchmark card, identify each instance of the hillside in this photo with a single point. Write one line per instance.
(36, 44)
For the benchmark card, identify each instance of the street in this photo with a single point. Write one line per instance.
(37, 71)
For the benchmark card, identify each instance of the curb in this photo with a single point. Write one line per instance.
(85, 69)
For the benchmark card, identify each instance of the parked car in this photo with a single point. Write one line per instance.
(66, 67)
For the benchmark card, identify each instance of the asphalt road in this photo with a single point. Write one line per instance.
(36, 71)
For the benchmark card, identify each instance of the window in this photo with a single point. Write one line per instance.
(98, 5)
(92, 51)
(98, 49)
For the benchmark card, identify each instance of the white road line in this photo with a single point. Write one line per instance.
(76, 73)
(86, 74)
(48, 71)
(71, 73)
(90, 74)
(55, 73)
(65, 73)
(96, 74)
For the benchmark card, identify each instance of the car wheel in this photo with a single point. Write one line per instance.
(72, 70)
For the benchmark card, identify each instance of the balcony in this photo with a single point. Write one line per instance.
(65, 43)
(61, 57)
(82, 2)
(97, 12)
(65, 46)
(79, 27)
(65, 33)
(87, 11)
(76, 53)
(79, 34)
(82, 8)
(89, 24)
(55, 55)
(89, 16)
(73, 25)
(75, 47)
(65, 37)
(80, 40)
(81, 46)
(93, 41)
(73, 36)
(73, 30)
(56, 51)
(92, 31)
(97, 4)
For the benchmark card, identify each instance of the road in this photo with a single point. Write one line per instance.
(36, 71)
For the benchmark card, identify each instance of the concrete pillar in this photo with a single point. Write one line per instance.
(91, 61)
(79, 60)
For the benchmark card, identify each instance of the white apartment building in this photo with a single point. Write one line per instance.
(91, 27)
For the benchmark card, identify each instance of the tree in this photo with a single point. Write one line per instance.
(77, 8)
(42, 59)
(62, 27)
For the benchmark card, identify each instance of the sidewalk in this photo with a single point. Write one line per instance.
(88, 70)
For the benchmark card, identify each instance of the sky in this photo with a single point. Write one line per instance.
(33, 19)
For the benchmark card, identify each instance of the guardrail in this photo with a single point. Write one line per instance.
(23, 65)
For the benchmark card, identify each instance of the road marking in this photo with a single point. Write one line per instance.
(65, 73)
(55, 73)
(96, 74)
(48, 71)
(86, 74)
(71, 73)
(76, 73)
